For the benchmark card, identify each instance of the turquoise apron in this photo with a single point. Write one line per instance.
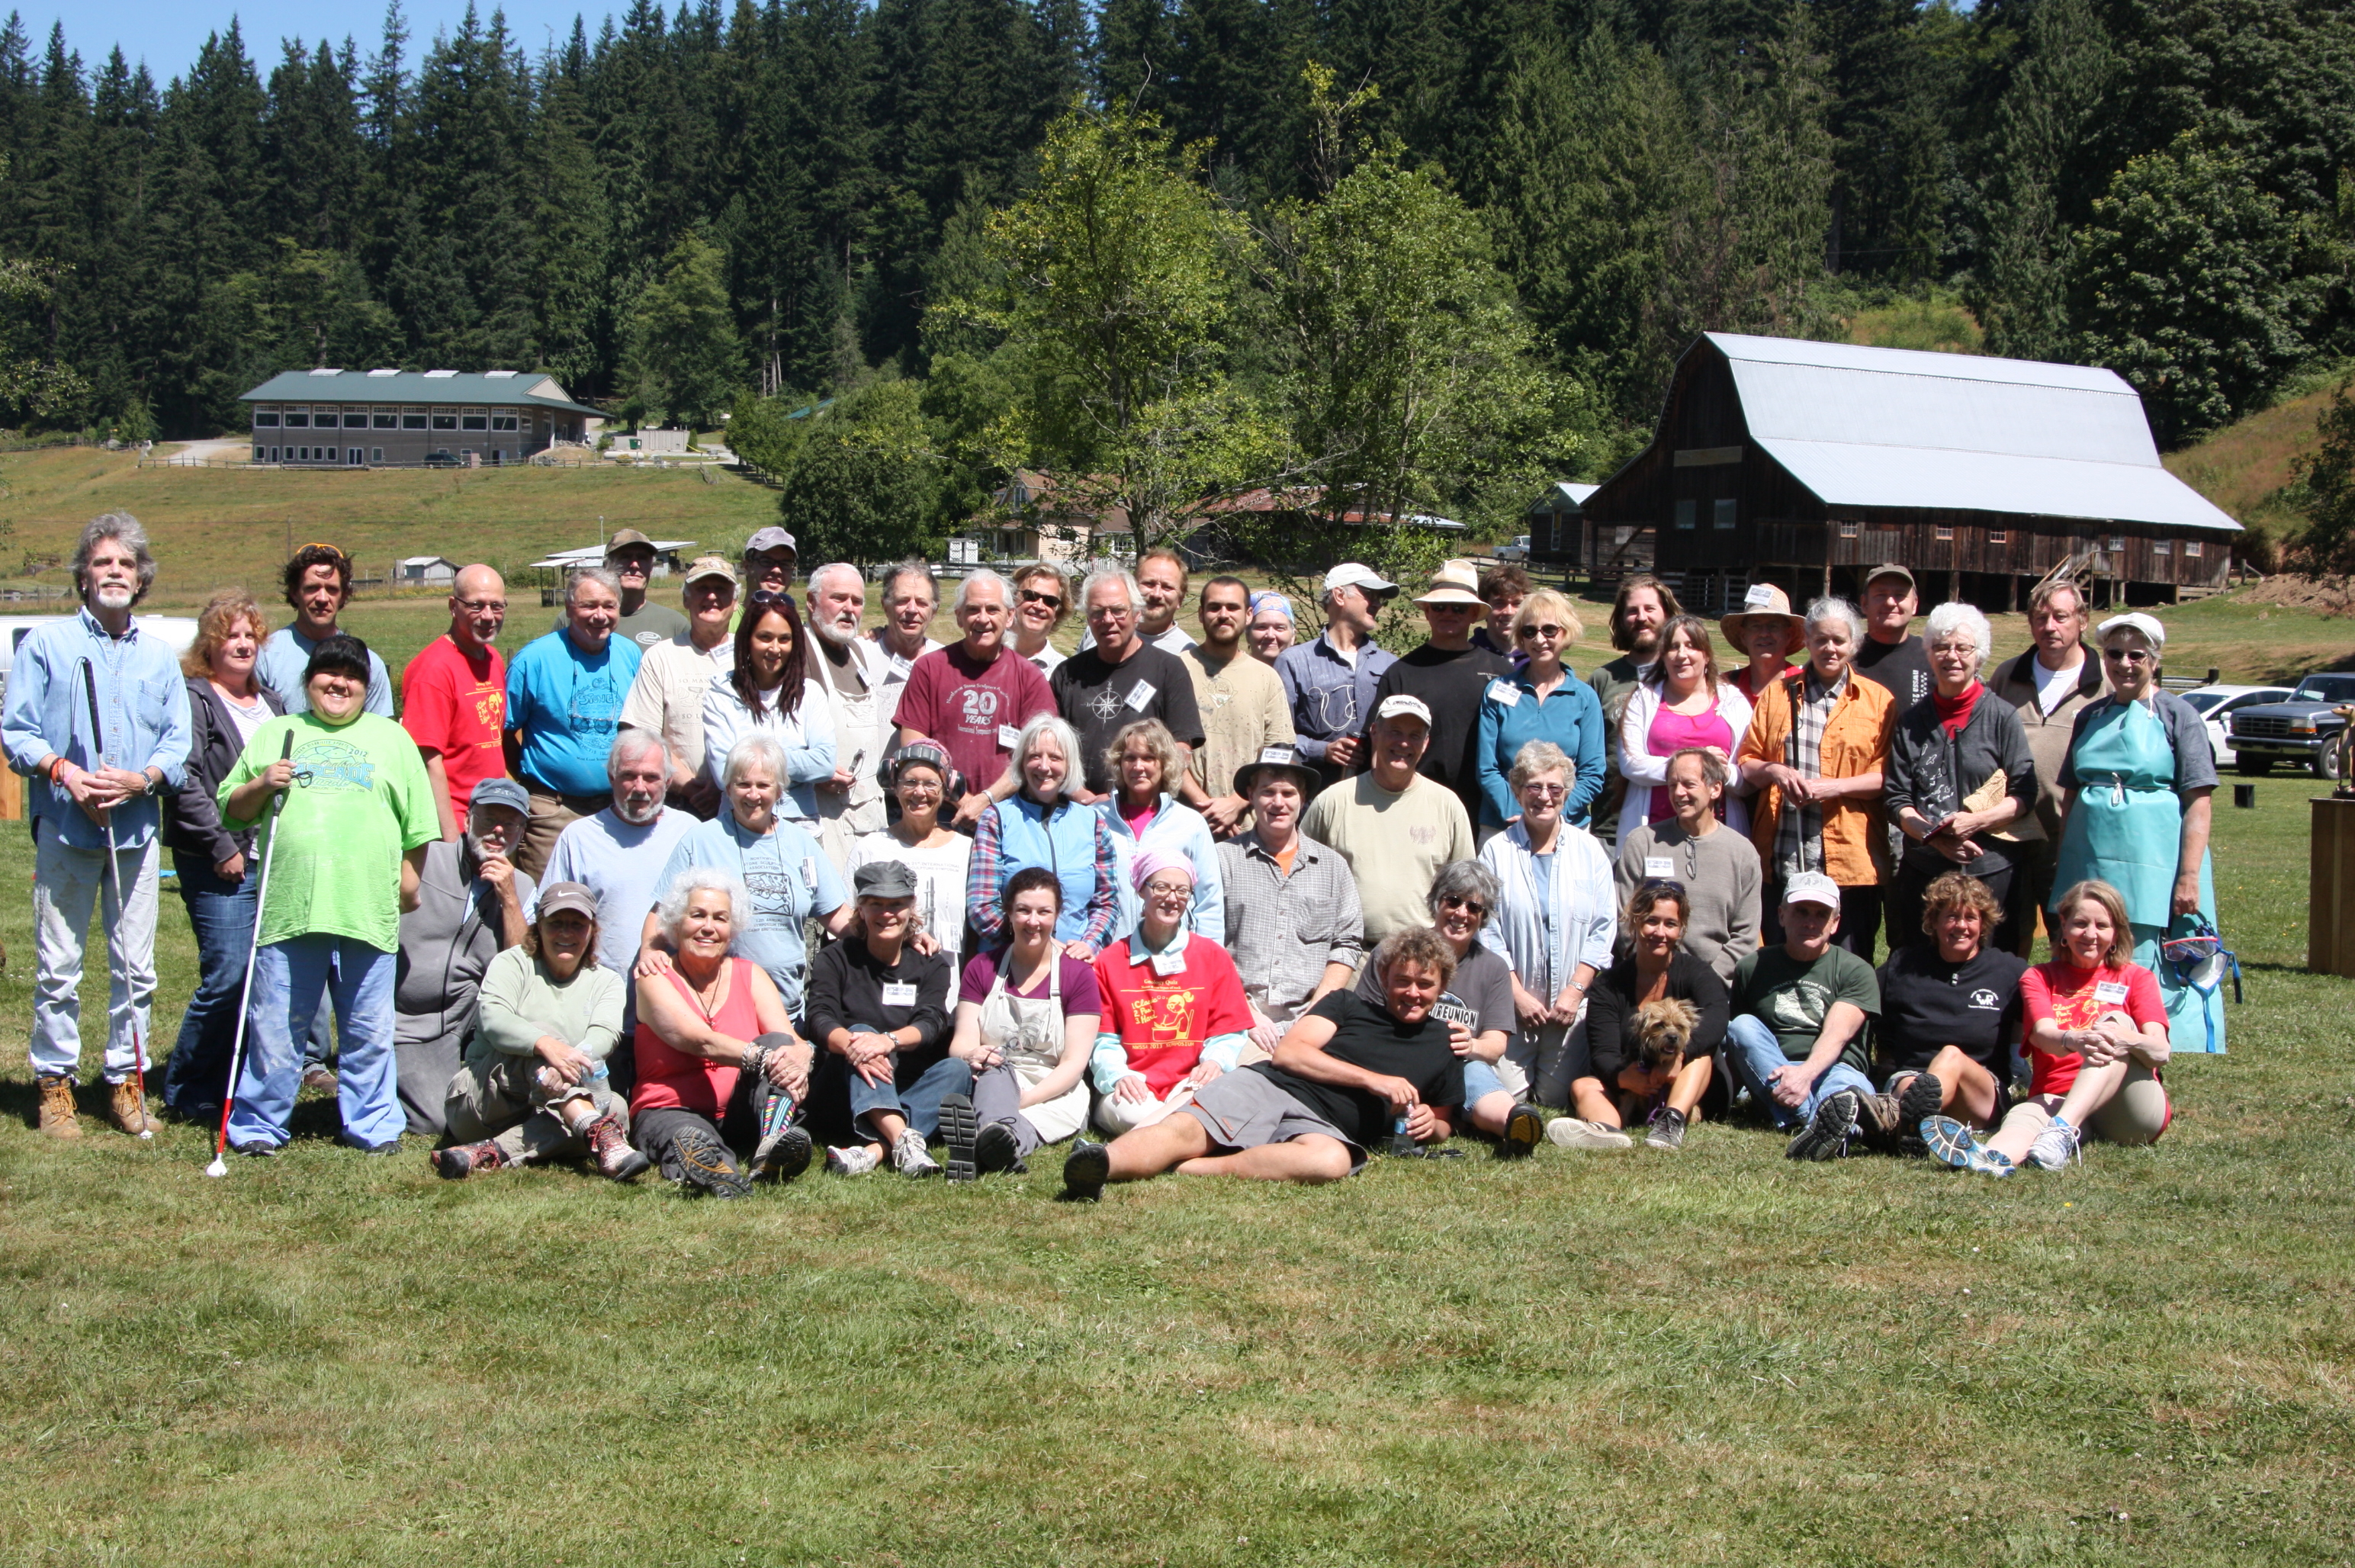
(2126, 827)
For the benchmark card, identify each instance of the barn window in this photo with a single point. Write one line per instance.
(1722, 513)
(1999, 536)
(445, 418)
(1945, 533)
(503, 419)
(412, 419)
(1848, 530)
(387, 419)
(265, 419)
(1688, 513)
(2162, 547)
(2193, 549)
(475, 418)
(2117, 544)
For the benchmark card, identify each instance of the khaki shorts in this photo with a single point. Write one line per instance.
(1244, 1110)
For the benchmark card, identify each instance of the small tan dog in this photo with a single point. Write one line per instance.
(1664, 1031)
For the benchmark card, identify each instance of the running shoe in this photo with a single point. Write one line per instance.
(782, 1155)
(1950, 1142)
(1574, 1132)
(1826, 1135)
(1917, 1104)
(2055, 1146)
(857, 1160)
(908, 1156)
(960, 1129)
(1667, 1130)
(995, 1149)
(1523, 1127)
(1086, 1171)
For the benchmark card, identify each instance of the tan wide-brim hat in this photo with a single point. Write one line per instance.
(1763, 603)
(1456, 582)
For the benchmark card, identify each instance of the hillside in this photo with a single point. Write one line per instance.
(218, 526)
(2244, 466)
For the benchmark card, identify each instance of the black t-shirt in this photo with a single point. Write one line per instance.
(1927, 1004)
(1904, 667)
(1366, 1035)
(1451, 684)
(1100, 700)
(1611, 1010)
(850, 988)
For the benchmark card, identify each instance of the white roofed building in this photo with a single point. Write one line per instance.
(1808, 464)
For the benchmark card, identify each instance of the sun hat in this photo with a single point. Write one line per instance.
(1456, 582)
(1765, 601)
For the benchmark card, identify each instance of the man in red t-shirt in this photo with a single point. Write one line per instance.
(453, 697)
(971, 696)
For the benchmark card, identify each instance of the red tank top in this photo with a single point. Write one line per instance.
(670, 1077)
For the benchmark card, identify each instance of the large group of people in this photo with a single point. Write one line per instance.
(741, 888)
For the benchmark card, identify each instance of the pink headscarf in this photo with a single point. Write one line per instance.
(1150, 862)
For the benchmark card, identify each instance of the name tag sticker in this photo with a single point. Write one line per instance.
(1139, 695)
(898, 993)
(2110, 993)
(1166, 963)
(1663, 866)
(809, 873)
(1760, 594)
(1506, 692)
(1008, 737)
(1281, 756)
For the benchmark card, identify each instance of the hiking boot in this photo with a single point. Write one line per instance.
(994, 1148)
(782, 1155)
(1086, 1171)
(1524, 1126)
(1916, 1105)
(609, 1146)
(1879, 1123)
(908, 1156)
(1668, 1130)
(1825, 1136)
(960, 1129)
(705, 1163)
(1574, 1132)
(857, 1160)
(57, 1118)
(460, 1161)
(124, 1109)
(2055, 1146)
(318, 1079)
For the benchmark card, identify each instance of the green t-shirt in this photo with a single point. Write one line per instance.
(1791, 998)
(360, 799)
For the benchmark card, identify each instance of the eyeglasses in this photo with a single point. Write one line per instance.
(1525, 632)
(1545, 791)
(1109, 611)
(1032, 596)
(2129, 655)
(1471, 907)
(483, 606)
(1167, 892)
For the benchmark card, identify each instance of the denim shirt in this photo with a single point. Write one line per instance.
(142, 700)
(1331, 698)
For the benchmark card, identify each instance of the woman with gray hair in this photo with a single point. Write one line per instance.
(1960, 784)
(1555, 921)
(1477, 1003)
(1041, 825)
(1814, 753)
(719, 1069)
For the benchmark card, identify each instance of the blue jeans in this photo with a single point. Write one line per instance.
(1480, 1080)
(1752, 1052)
(289, 978)
(915, 1094)
(220, 912)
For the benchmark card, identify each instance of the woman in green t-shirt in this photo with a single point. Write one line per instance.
(343, 854)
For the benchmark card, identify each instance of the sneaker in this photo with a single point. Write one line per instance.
(1952, 1143)
(610, 1147)
(126, 1108)
(1087, 1170)
(257, 1151)
(460, 1161)
(1915, 1105)
(2055, 1146)
(1877, 1123)
(782, 1155)
(960, 1129)
(1523, 1128)
(856, 1160)
(705, 1163)
(993, 1149)
(908, 1156)
(390, 1146)
(1825, 1136)
(57, 1117)
(1668, 1130)
(1572, 1132)
(318, 1079)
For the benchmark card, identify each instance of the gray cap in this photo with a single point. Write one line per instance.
(768, 539)
(628, 538)
(501, 792)
(1812, 887)
(883, 879)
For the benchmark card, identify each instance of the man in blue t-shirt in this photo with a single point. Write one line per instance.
(564, 706)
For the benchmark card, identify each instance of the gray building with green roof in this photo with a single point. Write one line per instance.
(359, 419)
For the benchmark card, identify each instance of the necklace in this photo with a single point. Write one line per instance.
(705, 998)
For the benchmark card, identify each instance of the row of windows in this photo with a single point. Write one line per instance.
(385, 418)
(2116, 543)
(350, 455)
(1721, 513)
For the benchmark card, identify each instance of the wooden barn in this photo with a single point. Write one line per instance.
(1805, 465)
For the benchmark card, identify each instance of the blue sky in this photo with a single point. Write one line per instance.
(167, 35)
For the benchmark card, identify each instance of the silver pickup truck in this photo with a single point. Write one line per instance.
(2298, 729)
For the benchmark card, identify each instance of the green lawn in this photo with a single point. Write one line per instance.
(1710, 1358)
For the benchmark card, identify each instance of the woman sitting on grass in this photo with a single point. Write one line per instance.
(2096, 1039)
(1622, 1058)
(1949, 1015)
(880, 1010)
(718, 1066)
(534, 1085)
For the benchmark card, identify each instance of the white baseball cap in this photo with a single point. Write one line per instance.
(1812, 887)
(1400, 704)
(1354, 574)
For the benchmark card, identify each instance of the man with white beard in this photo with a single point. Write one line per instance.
(853, 670)
(618, 855)
(93, 790)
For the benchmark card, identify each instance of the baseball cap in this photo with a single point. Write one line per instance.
(1356, 574)
(1891, 568)
(768, 539)
(1456, 583)
(557, 897)
(501, 792)
(625, 539)
(1812, 887)
(710, 566)
(1399, 704)
(883, 879)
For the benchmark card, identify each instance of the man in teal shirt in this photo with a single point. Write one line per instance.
(565, 692)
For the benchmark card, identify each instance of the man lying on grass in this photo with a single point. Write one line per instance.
(1350, 1071)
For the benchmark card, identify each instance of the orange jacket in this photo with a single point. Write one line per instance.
(1856, 740)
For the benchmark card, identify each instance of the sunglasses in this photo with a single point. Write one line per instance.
(1527, 633)
(2129, 655)
(762, 597)
(1470, 906)
(1032, 596)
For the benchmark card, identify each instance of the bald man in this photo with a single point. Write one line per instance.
(455, 697)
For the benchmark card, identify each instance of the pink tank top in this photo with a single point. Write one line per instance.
(1672, 733)
(669, 1077)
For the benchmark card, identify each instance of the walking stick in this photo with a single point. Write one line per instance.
(114, 873)
(245, 999)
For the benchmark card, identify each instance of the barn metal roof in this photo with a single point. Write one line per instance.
(537, 388)
(1894, 427)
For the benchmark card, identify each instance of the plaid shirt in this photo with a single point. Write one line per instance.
(1799, 836)
(989, 867)
(1283, 930)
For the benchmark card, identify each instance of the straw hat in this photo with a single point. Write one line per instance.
(1765, 601)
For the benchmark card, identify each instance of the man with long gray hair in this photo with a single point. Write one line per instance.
(94, 788)
(565, 692)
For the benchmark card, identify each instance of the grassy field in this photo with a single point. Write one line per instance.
(1711, 1358)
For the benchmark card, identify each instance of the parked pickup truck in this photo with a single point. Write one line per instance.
(2298, 729)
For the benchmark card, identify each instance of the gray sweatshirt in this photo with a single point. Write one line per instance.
(1721, 876)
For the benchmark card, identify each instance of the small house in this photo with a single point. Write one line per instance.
(426, 572)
